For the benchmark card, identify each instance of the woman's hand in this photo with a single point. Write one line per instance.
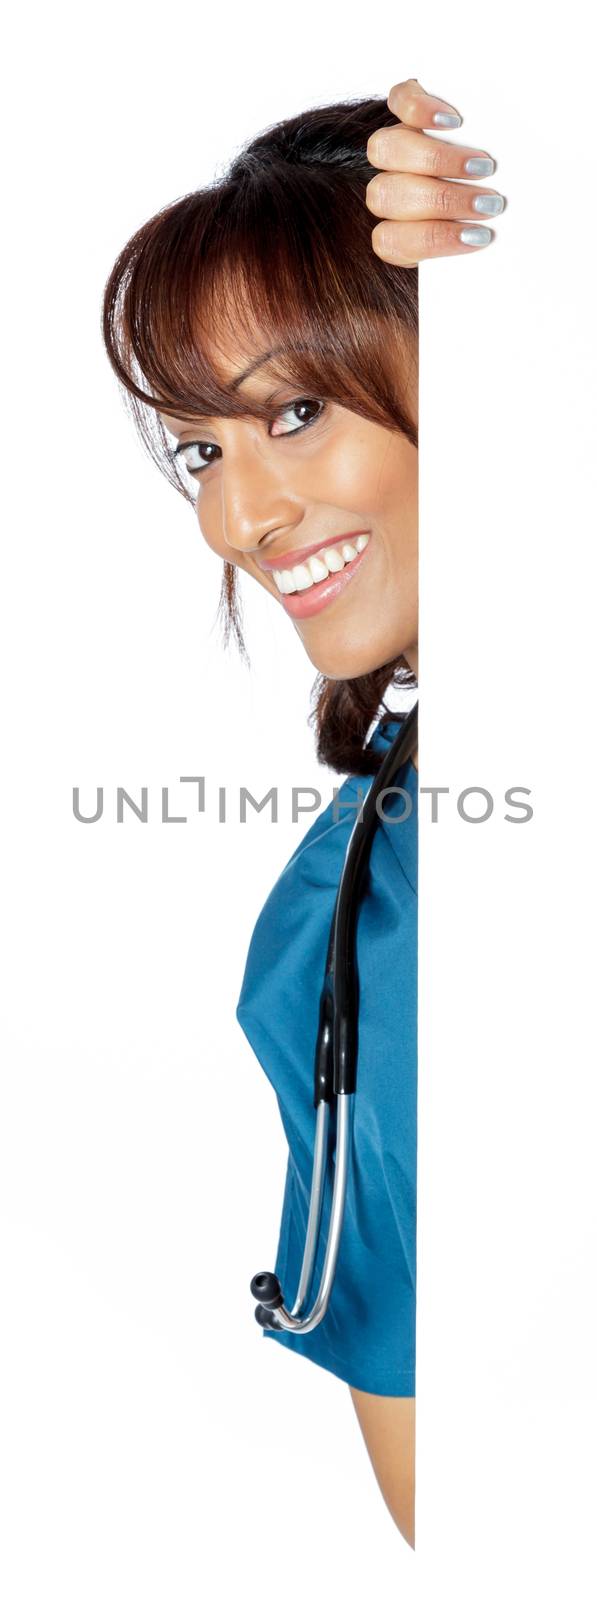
(424, 211)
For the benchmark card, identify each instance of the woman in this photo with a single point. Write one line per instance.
(266, 336)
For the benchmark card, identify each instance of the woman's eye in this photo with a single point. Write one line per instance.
(296, 416)
(197, 454)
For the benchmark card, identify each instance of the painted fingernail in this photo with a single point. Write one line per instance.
(480, 166)
(475, 236)
(446, 119)
(489, 204)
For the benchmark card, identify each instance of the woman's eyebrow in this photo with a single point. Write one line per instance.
(260, 362)
(235, 384)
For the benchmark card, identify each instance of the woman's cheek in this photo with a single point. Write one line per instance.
(398, 494)
(347, 473)
(366, 470)
(210, 520)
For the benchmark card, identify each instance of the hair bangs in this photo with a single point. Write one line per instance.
(261, 262)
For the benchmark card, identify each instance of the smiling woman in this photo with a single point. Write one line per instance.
(266, 337)
(258, 308)
(305, 502)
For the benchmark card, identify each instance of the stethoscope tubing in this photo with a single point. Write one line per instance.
(336, 1055)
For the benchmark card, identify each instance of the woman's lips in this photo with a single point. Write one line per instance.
(306, 602)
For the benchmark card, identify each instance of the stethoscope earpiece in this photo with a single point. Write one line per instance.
(266, 1319)
(266, 1288)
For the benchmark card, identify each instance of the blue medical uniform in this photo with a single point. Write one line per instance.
(367, 1337)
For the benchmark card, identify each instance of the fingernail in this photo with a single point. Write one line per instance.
(475, 236)
(489, 204)
(480, 166)
(446, 119)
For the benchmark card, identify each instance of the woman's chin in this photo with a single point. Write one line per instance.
(343, 660)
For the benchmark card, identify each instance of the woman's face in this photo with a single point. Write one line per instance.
(324, 499)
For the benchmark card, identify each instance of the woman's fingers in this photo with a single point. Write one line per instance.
(420, 193)
(405, 244)
(403, 197)
(418, 109)
(402, 149)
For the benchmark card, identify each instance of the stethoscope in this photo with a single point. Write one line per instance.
(336, 1053)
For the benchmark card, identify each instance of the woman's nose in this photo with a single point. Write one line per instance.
(254, 504)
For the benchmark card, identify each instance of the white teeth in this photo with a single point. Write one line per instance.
(284, 582)
(289, 580)
(302, 577)
(334, 559)
(317, 568)
(289, 583)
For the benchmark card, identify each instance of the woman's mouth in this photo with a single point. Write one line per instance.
(309, 587)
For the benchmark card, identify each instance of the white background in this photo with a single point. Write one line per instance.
(152, 1443)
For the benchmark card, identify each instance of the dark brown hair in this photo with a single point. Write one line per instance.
(281, 244)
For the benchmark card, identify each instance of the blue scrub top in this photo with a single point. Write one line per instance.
(367, 1336)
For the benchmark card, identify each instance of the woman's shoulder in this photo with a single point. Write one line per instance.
(287, 951)
(319, 855)
(397, 810)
